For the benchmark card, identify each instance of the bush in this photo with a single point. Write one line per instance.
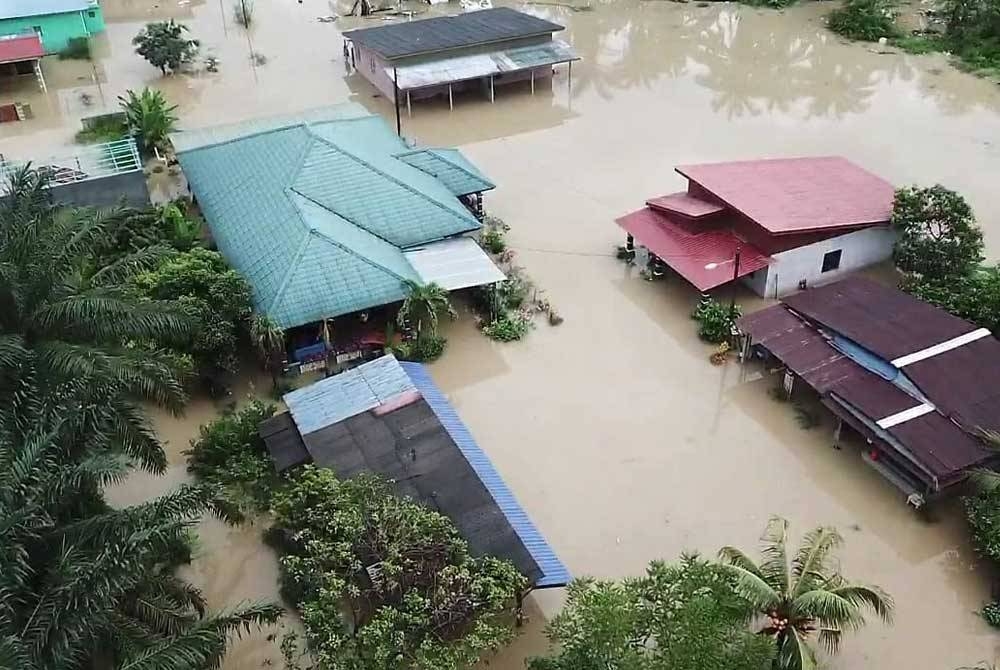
(108, 128)
(150, 119)
(982, 510)
(991, 614)
(77, 48)
(382, 581)
(509, 326)
(492, 237)
(230, 453)
(715, 321)
(422, 349)
(867, 20)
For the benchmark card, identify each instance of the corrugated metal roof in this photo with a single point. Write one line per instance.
(706, 259)
(411, 38)
(347, 394)
(685, 204)
(315, 209)
(12, 9)
(554, 573)
(454, 264)
(479, 65)
(449, 167)
(794, 195)
(18, 48)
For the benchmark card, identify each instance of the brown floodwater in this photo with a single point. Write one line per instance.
(617, 435)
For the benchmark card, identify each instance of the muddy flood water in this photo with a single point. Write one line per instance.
(619, 438)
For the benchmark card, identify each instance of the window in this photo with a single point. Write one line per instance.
(38, 30)
(92, 14)
(831, 260)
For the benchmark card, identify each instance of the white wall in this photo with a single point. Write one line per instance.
(859, 249)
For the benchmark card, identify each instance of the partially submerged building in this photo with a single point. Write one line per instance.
(21, 55)
(917, 383)
(779, 225)
(328, 213)
(477, 50)
(388, 418)
(55, 22)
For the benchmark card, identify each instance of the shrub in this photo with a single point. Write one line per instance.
(982, 510)
(509, 326)
(230, 453)
(382, 581)
(422, 349)
(492, 238)
(715, 320)
(867, 20)
(991, 614)
(77, 48)
(108, 128)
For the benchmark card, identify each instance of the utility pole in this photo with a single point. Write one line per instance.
(736, 275)
(395, 98)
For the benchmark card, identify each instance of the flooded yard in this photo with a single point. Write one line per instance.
(619, 438)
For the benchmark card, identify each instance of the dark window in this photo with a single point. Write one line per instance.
(37, 29)
(831, 260)
(92, 14)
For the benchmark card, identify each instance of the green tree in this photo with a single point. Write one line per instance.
(424, 306)
(164, 45)
(384, 582)
(681, 616)
(804, 596)
(268, 341)
(70, 329)
(216, 299)
(939, 238)
(975, 296)
(149, 118)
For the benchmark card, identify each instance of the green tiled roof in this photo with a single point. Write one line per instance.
(449, 167)
(316, 211)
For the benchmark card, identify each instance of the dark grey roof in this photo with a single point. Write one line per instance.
(410, 446)
(411, 38)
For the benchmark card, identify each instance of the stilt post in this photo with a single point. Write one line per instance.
(451, 102)
(395, 99)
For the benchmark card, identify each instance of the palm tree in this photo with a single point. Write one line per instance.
(268, 340)
(98, 589)
(70, 327)
(149, 117)
(423, 307)
(803, 597)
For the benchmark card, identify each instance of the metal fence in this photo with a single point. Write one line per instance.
(89, 162)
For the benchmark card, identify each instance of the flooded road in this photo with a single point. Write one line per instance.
(619, 438)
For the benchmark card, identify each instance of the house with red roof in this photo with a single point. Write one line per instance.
(916, 384)
(778, 224)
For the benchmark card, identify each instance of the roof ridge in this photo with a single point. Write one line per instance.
(343, 247)
(432, 150)
(238, 138)
(288, 271)
(404, 185)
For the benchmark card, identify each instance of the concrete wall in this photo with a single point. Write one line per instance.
(104, 192)
(57, 29)
(859, 249)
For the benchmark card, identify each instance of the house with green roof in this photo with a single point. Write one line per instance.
(328, 212)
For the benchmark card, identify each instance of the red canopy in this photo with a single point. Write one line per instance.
(17, 48)
(705, 258)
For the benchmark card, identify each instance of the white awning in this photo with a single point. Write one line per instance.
(474, 66)
(454, 264)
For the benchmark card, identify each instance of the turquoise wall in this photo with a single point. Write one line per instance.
(57, 29)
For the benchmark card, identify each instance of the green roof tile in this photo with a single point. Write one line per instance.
(449, 167)
(315, 211)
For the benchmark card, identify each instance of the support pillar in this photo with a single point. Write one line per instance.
(629, 247)
(40, 76)
(492, 95)
(836, 433)
(409, 110)
(451, 101)
(569, 80)
(532, 82)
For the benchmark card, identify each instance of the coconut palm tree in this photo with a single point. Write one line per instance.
(268, 340)
(805, 596)
(423, 307)
(71, 327)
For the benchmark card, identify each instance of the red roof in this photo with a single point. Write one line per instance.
(705, 258)
(17, 48)
(795, 195)
(685, 204)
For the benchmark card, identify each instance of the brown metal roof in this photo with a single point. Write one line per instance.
(962, 384)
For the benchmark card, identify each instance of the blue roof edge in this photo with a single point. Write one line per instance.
(554, 573)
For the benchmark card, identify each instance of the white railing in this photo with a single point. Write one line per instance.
(88, 162)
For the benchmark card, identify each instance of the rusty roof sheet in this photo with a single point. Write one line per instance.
(795, 195)
(704, 258)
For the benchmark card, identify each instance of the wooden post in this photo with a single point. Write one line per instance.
(532, 82)
(409, 111)
(451, 102)
(569, 79)
(492, 95)
(395, 99)
(736, 276)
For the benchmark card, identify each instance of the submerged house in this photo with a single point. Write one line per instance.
(917, 383)
(388, 418)
(56, 22)
(779, 224)
(21, 55)
(328, 213)
(448, 54)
